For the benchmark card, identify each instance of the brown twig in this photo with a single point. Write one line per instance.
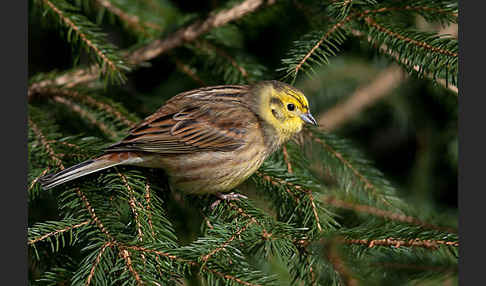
(265, 233)
(132, 204)
(358, 15)
(276, 181)
(338, 264)
(193, 31)
(429, 244)
(286, 159)
(420, 44)
(361, 177)
(187, 70)
(131, 20)
(32, 241)
(148, 209)
(370, 93)
(93, 215)
(191, 263)
(227, 242)
(83, 37)
(128, 261)
(222, 53)
(54, 157)
(32, 184)
(97, 261)
(84, 98)
(160, 46)
(78, 191)
(383, 213)
(83, 113)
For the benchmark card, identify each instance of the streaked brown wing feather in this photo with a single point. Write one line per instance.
(181, 126)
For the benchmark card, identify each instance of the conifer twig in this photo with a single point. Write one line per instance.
(392, 242)
(59, 231)
(277, 181)
(286, 159)
(46, 145)
(357, 15)
(383, 213)
(191, 263)
(338, 264)
(148, 209)
(34, 181)
(265, 233)
(128, 261)
(187, 70)
(80, 97)
(93, 215)
(132, 202)
(225, 55)
(227, 242)
(100, 53)
(157, 47)
(370, 93)
(417, 43)
(97, 261)
(367, 184)
(88, 116)
(131, 20)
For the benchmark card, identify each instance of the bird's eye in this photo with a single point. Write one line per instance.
(290, 106)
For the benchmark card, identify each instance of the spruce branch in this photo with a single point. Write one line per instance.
(334, 36)
(133, 21)
(201, 44)
(93, 214)
(36, 179)
(355, 168)
(133, 205)
(148, 208)
(52, 155)
(381, 86)
(82, 98)
(338, 264)
(221, 247)
(204, 268)
(35, 232)
(288, 185)
(86, 115)
(335, 202)
(287, 160)
(186, 69)
(110, 63)
(157, 47)
(394, 242)
(97, 261)
(126, 256)
(421, 44)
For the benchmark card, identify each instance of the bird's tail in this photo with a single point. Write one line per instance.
(76, 171)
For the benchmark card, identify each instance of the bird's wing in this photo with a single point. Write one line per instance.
(202, 127)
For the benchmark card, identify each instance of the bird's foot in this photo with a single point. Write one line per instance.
(227, 197)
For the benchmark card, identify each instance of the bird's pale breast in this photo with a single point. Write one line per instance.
(212, 171)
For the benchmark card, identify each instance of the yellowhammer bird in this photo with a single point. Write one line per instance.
(208, 140)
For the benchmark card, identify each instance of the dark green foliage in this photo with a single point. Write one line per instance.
(348, 207)
(80, 31)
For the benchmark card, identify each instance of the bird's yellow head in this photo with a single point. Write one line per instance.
(284, 107)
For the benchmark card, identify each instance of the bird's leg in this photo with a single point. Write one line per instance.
(227, 197)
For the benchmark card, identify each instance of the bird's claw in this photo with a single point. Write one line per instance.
(227, 197)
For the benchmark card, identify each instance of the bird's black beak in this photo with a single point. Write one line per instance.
(307, 117)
